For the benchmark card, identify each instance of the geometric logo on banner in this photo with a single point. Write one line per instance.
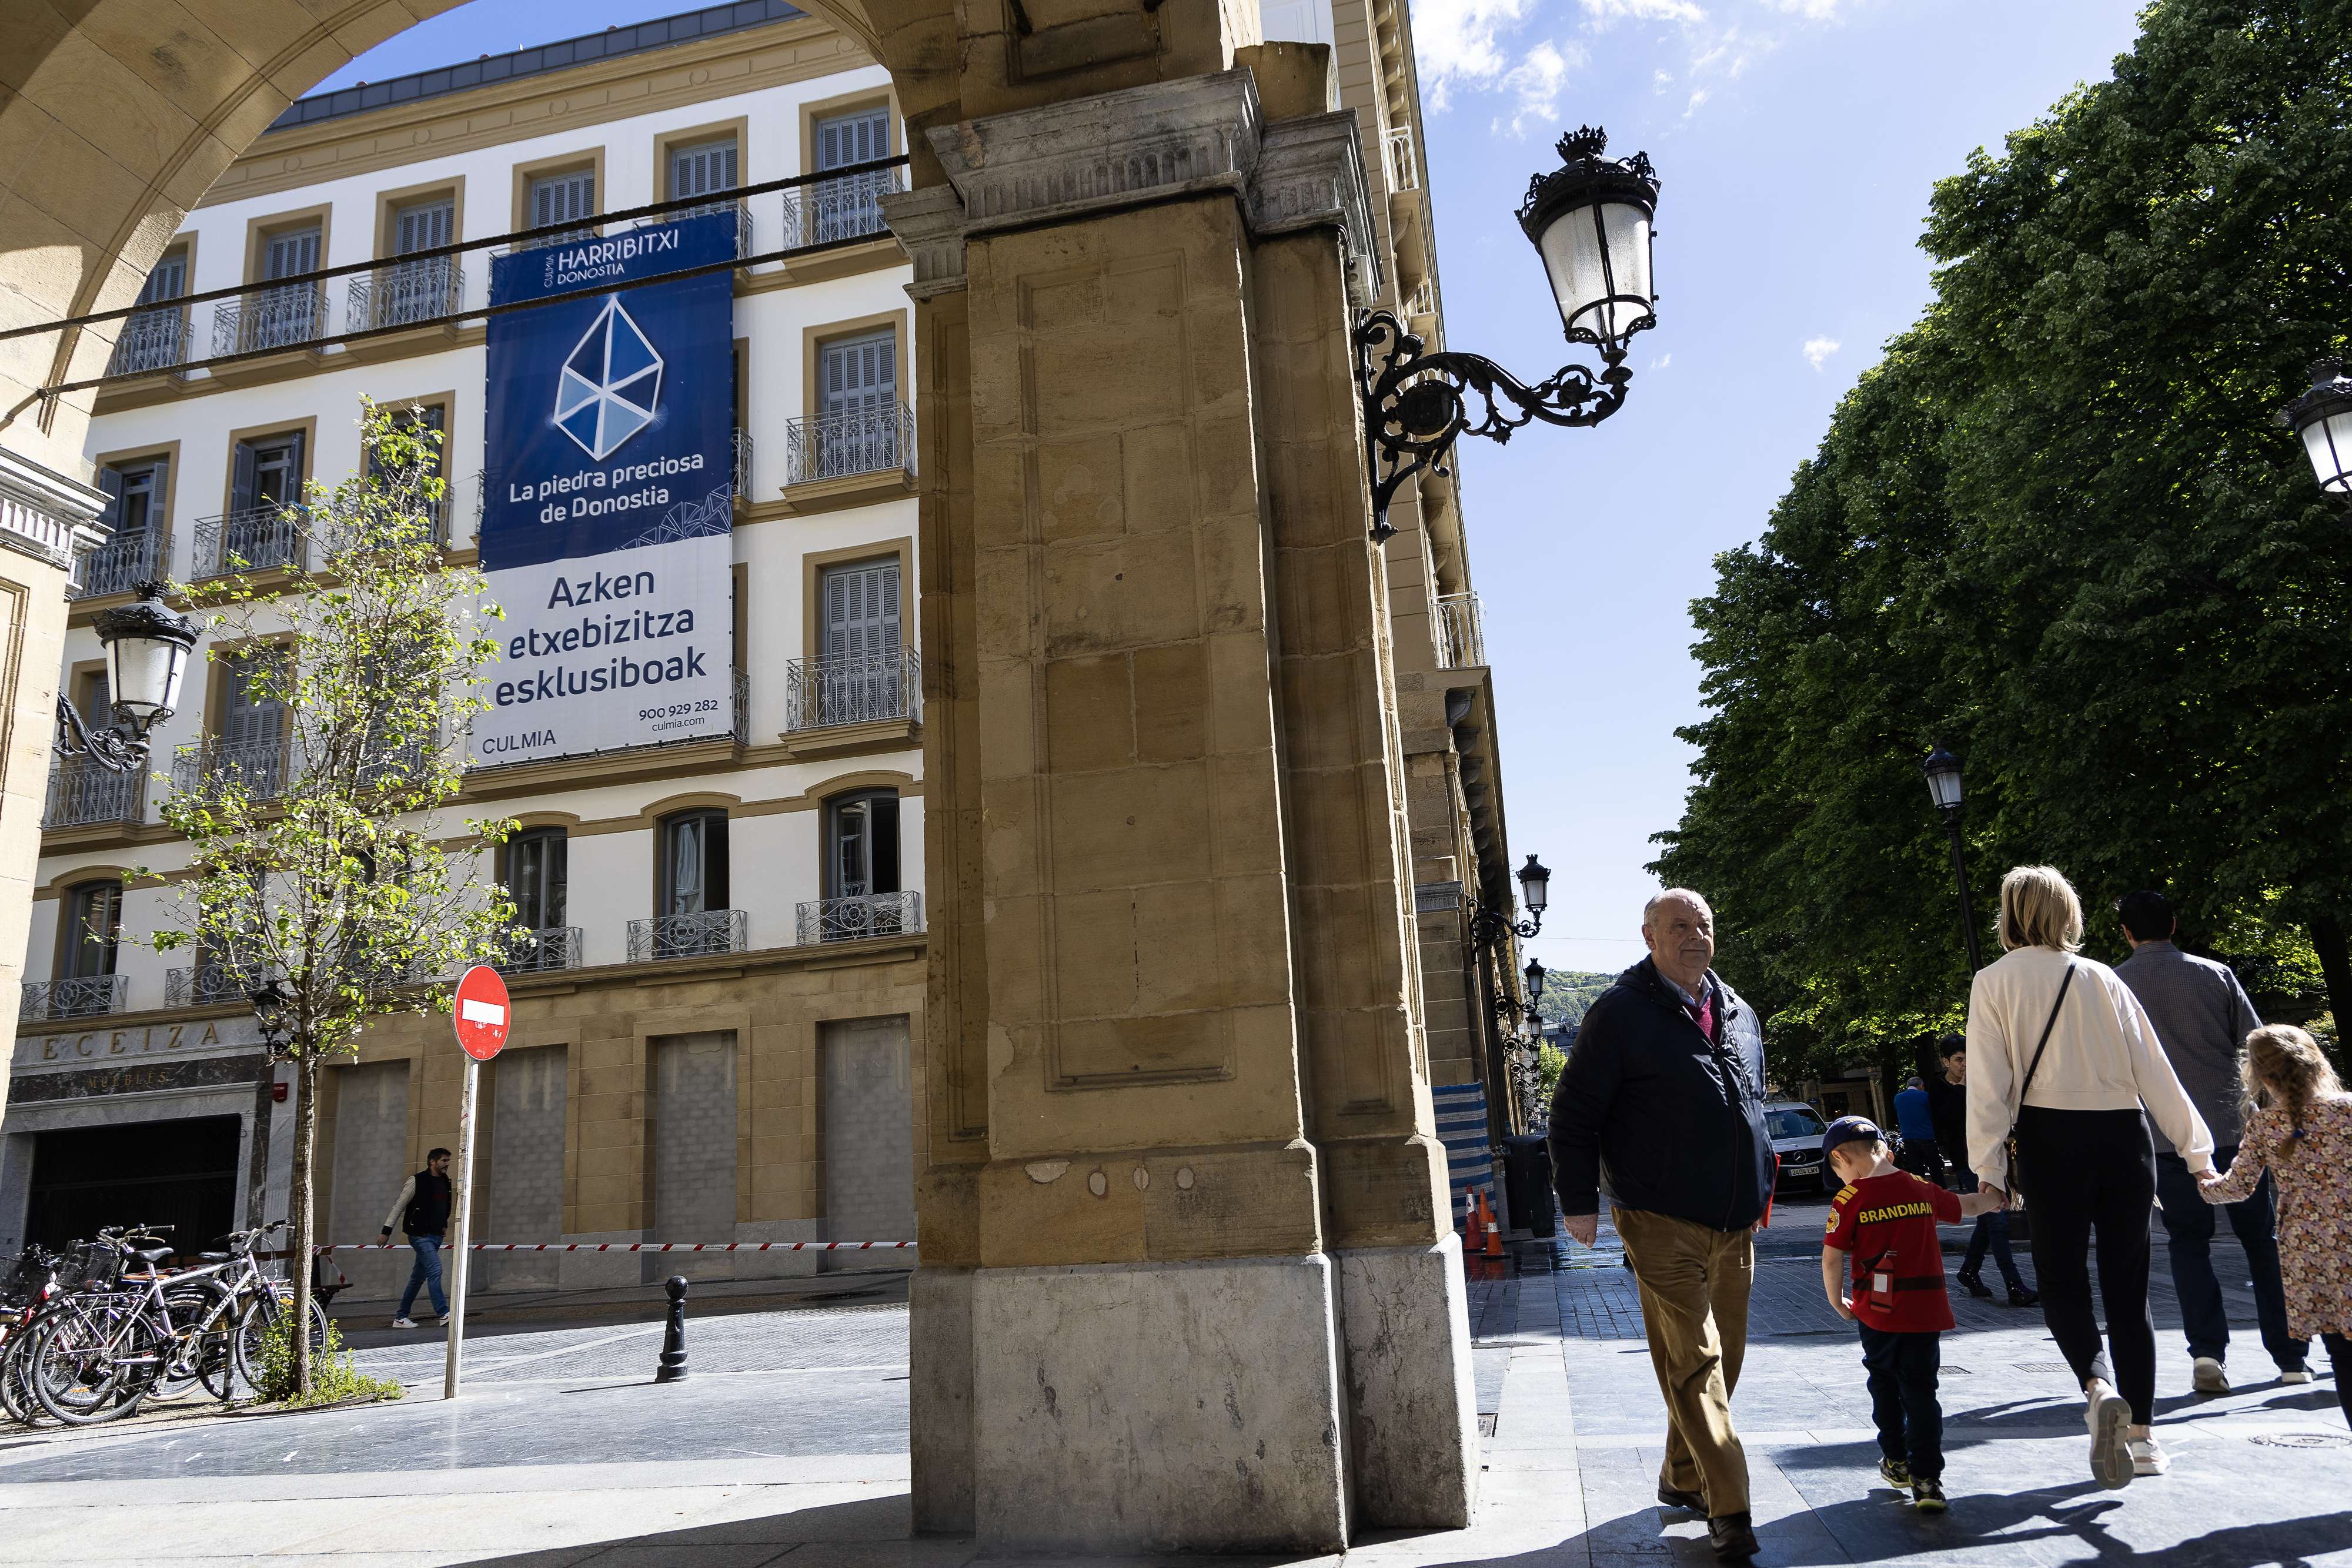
(610, 384)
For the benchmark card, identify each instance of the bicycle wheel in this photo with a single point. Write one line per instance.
(195, 1310)
(261, 1310)
(82, 1366)
(15, 1394)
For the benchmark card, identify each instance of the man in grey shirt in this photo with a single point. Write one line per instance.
(2201, 1015)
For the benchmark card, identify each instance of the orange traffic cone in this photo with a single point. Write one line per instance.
(1470, 1240)
(1493, 1231)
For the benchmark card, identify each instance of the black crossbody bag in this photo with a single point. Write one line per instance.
(2009, 1145)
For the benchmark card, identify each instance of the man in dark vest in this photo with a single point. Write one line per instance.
(1662, 1105)
(422, 1210)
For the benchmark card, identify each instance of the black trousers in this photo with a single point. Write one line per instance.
(2189, 1221)
(2092, 1174)
(1903, 1368)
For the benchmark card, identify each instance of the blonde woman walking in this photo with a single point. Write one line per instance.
(2060, 1050)
(2298, 1127)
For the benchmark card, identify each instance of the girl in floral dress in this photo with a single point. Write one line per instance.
(2298, 1126)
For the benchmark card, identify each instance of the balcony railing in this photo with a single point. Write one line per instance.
(259, 539)
(284, 317)
(1404, 170)
(851, 919)
(81, 997)
(847, 207)
(744, 465)
(740, 209)
(552, 948)
(258, 765)
(122, 563)
(852, 688)
(151, 341)
(406, 292)
(82, 794)
(860, 441)
(689, 935)
(205, 985)
(1461, 640)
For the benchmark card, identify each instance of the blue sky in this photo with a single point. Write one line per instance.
(1798, 141)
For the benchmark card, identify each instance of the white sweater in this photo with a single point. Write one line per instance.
(2103, 1056)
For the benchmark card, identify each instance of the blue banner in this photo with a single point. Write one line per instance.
(608, 501)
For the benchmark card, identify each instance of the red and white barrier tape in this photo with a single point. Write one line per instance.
(633, 1246)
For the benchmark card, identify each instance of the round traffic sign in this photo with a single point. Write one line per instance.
(481, 1012)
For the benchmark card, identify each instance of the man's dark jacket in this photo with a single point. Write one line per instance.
(1671, 1119)
(428, 1211)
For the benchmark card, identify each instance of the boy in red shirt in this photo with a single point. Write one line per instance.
(1885, 1219)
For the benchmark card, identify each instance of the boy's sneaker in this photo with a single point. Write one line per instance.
(2109, 1415)
(402, 1323)
(2294, 1374)
(1896, 1473)
(1973, 1283)
(2148, 1459)
(2019, 1296)
(445, 1320)
(2210, 1376)
(1928, 1496)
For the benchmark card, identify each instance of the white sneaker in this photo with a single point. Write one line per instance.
(2109, 1415)
(445, 1320)
(402, 1323)
(2148, 1459)
(2210, 1376)
(2296, 1375)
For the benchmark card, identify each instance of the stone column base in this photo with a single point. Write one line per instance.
(1159, 1407)
(1413, 1405)
(939, 1399)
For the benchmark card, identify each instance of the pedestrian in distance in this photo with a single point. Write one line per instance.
(2202, 1018)
(1884, 1219)
(422, 1210)
(2298, 1133)
(1948, 1100)
(2061, 1060)
(1914, 1118)
(1662, 1105)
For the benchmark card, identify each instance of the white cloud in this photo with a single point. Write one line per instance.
(1811, 10)
(1537, 80)
(1661, 361)
(1458, 43)
(1695, 99)
(1817, 349)
(1604, 12)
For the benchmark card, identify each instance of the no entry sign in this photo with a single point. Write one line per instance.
(482, 1012)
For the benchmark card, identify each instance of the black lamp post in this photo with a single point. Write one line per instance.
(1943, 771)
(147, 650)
(2322, 418)
(1590, 221)
(1490, 925)
(272, 1001)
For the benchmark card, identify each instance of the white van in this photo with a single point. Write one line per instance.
(1796, 1130)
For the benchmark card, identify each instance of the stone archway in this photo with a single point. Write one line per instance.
(1189, 1276)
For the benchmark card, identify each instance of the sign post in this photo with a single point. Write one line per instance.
(482, 1014)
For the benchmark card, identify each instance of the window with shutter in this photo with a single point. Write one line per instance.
(281, 318)
(94, 926)
(168, 281)
(845, 140)
(291, 254)
(562, 199)
(858, 382)
(703, 168)
(851, 205)
(422, 226)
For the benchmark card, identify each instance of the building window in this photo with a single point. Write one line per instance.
(538, 877)
(248, 740)
(693, 849)
(268, 472)
(562, 199)
(266, 477)
(155, 338)
(849, 207)
(93, 928)
(284, 317)
(858, 426)
(133, 520)
(862, 672)
(862, 844)
(861, 136)
(421, 417)
(419, 290)
(701, 168)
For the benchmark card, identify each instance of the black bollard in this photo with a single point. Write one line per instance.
(673, 1351)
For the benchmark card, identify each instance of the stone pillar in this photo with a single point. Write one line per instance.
(1186, 1272)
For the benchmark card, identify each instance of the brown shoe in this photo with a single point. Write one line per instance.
(1731, 1537)
(1672, 1497)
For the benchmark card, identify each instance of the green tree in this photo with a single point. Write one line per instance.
(320, 862)
(2057, 531)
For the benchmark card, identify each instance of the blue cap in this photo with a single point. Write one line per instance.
(1848, 1130)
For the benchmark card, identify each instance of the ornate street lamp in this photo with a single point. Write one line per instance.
(1535, 975)
(1491, 924)
(2322, 418)
(1943, 771)
(271, 1003)
(1590, 221)
(147, 650)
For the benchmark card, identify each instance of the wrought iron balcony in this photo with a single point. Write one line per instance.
(404, 292)
(552, 947)
(285, 316)
(739, 209)
(852, 919)
(82, 794)
(122, 563)
(849, 206)
(838, 445)
(206, 985)
(78, 997)
(151, 341)
(1461, 639)
(259, 539)
(258, 765)
(1403, 169)
(852, 688)
(744, 465)
(689, 935)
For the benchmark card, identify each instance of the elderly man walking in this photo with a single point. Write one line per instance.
(1662, 1105)
(2202, 1017)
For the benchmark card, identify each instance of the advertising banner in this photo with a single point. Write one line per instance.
(608, 496)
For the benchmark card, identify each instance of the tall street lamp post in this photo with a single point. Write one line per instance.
(1590, 222)
(147, 650)
(1943, 771)
(272, 1001)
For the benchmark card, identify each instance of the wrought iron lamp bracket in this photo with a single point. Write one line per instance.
(114, 750)
(1415, 404)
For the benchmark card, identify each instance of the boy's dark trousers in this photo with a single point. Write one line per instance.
(1903, 1368)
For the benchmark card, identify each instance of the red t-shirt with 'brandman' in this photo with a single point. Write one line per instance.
(1886, 1224)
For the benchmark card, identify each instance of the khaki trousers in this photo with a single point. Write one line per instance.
(1694, 1283)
